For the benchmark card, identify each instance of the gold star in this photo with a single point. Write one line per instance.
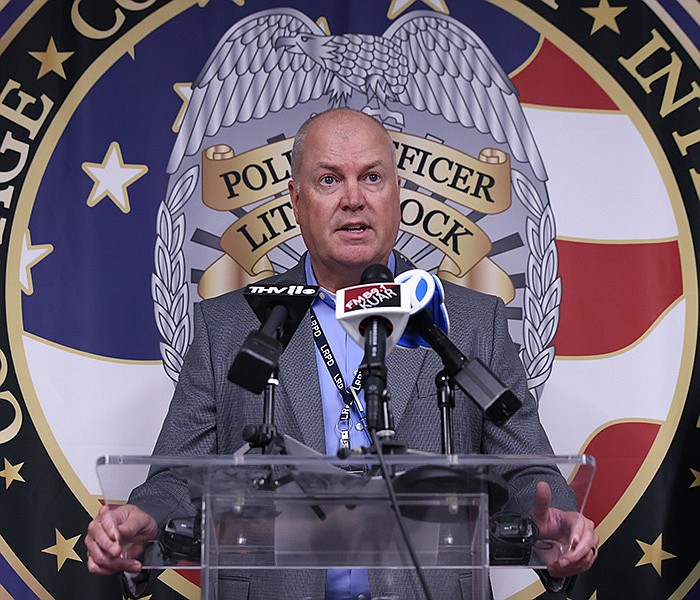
(29, 257)
(51, 60)
(184, 91)
(696, 475)
(398, 6)
(654, 554)
(63, 550)
(604, 15)
(112, 176)
(11, 473)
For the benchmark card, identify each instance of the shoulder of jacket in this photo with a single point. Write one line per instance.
(459, 293)
(232, 301)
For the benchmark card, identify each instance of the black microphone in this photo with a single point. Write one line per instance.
(280, 308)
(375, 329)
(374, 314)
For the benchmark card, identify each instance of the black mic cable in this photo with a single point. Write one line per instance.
(399, 518)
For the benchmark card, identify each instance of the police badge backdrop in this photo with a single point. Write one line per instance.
(550, 152)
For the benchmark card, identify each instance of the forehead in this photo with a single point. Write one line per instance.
(350, 139)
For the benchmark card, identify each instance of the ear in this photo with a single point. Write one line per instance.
(294, 196)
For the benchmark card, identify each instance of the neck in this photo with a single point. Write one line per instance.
(336, 282)
(334, 277)
(338, 279)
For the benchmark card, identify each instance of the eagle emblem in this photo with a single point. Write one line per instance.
(428, 76)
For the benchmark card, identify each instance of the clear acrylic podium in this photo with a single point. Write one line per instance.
(262, 514)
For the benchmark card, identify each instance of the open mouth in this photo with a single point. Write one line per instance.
(354, 228)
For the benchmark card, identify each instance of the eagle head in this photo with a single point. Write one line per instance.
(318, 47)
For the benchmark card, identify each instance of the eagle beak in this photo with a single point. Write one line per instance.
(287, 42)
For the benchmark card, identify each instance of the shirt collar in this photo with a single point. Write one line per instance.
(329, 297)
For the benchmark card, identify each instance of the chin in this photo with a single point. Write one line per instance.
(359, 259)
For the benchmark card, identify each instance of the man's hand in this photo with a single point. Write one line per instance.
(564, 527)
(116, 539)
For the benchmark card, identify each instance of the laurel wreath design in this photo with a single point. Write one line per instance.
(169, 287)
(542, 296)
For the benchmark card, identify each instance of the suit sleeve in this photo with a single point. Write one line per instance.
(189, 429)
(523, 433)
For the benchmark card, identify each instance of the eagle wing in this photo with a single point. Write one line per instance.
(247, 77)
(452, 73)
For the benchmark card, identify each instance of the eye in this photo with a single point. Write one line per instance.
(373, 177)
(327, 180)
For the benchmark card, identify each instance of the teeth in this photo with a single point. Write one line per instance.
(355, 228)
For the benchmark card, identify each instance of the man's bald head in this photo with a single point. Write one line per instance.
(330, 116)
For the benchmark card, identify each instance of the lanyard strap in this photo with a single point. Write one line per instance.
(349, 395)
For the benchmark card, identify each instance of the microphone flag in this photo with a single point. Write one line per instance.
(386, 300)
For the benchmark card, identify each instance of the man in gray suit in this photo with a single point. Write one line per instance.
(345, 194)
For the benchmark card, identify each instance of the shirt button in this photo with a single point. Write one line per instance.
(362, 597)
(322, 296)
(358, 426)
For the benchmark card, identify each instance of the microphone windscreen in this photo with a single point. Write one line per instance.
(377, 274)
(426, 292)
(296, 298)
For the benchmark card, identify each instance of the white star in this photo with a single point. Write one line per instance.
(112, 176)
(29, 257)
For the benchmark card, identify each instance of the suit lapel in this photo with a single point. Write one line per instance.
(301, 387)
(299, 384)
(404, 365)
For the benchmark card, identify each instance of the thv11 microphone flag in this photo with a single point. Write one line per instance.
(387, 300)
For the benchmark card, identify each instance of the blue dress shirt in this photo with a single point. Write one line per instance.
(341, 584)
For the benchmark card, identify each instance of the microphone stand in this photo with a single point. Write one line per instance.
(265, 435)
(374, 375)
(380, 420)
(446, 403)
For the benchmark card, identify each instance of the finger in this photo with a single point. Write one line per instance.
(99, 561)
(103, 564)
(110, 519)
(564, 568)
(584, 539)
(582, 529)
(99, 538)
(96, 569)
(542, 501)
(577, 561)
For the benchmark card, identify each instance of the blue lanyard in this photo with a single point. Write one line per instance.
(349, 395)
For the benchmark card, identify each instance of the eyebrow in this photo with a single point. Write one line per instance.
(333, 167)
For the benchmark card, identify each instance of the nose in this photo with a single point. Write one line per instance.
(353, 197)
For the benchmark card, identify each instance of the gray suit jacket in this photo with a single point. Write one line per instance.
(207, 415)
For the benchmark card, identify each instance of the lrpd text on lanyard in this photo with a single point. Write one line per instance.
(349, 395)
